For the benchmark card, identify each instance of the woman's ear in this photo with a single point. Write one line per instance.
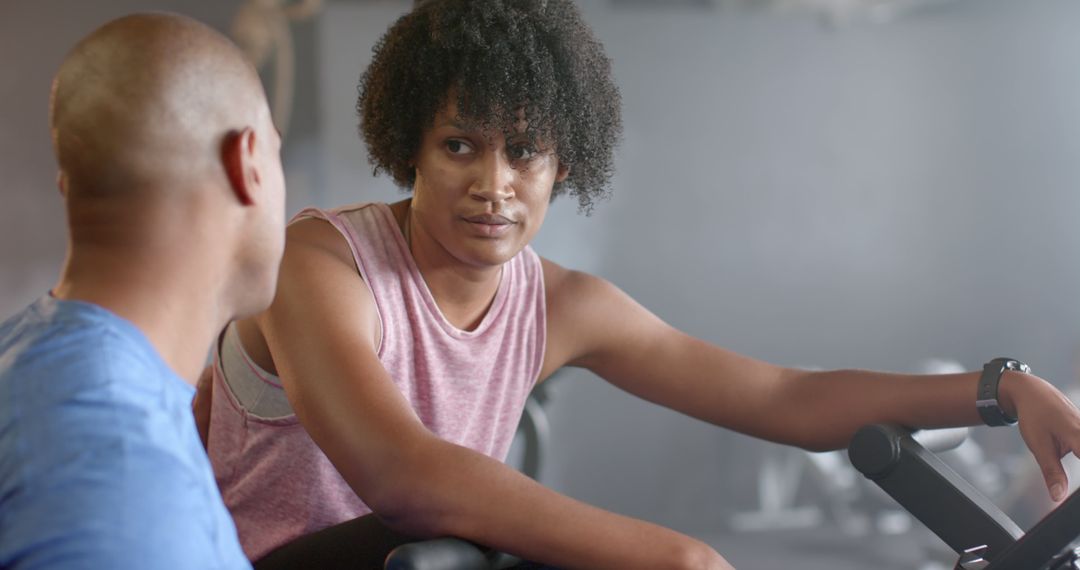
(563, 172)
(238, 158)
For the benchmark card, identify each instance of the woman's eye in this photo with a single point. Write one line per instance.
(521, 152)
(457, 146)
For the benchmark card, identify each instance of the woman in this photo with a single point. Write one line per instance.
(390, 372)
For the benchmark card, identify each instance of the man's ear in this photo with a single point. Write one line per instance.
(61, 183)
(238, 158)
(564, 171)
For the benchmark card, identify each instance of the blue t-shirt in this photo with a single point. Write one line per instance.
(100, 462)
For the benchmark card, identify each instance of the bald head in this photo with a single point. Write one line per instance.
(143, 104)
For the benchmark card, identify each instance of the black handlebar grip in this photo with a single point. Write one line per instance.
(437, 554)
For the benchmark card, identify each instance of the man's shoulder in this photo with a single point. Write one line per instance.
(116, 504)
(53, 324)
(82, 372)
(72, 340)
(96, 441)
(85, 387)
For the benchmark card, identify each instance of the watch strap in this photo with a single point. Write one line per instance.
(986, 401)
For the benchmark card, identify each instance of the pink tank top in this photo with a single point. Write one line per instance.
(467, 387)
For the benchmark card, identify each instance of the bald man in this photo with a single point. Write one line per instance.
(172, 182)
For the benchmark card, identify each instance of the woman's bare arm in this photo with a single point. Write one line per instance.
(604, 330)
(322, 332)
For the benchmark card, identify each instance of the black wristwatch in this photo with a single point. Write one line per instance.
(987, 399)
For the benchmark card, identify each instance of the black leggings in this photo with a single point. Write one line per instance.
(357, 545)
(360, 544)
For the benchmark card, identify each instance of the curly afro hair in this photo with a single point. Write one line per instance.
(500, 58)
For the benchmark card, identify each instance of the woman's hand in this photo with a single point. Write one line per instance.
(1049, 424)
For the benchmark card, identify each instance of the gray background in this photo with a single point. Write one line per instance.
(870, 195)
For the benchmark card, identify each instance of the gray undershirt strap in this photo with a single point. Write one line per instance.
(257, 391)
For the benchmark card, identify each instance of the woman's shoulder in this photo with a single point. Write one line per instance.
(561, 281)
(313, 236)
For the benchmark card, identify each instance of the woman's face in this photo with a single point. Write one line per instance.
(478, 194)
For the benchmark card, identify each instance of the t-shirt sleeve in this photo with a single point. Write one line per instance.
(145, 511)
(115, 478)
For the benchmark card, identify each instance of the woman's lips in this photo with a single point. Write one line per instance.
(489, 225)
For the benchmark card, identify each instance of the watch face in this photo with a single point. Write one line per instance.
(1013, 364)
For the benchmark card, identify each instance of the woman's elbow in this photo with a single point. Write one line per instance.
(411, 499)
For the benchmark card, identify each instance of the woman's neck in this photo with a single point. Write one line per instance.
(462, 292)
